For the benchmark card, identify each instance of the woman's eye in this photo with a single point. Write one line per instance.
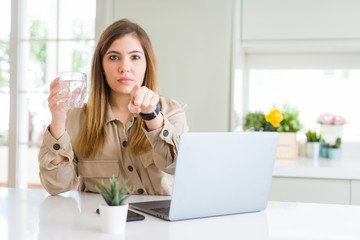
(113, 57)
(136, 57)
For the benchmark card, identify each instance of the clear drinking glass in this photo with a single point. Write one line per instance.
(76, 86)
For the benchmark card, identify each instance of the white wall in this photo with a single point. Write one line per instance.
(301, 26)
(299, 19)
(193, 45)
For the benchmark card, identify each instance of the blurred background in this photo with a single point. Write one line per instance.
(222, 58)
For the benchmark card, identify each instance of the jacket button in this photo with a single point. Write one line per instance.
(130, 168)
(165, 133)
(124, 143)
(140, 191)
(56, 146)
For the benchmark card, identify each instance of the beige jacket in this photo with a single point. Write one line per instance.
(149, 173)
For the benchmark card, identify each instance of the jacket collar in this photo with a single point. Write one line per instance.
(111, 117)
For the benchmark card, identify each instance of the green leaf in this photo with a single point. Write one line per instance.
(313, 136)
(114, 196)
(113, 184)
(290, 123)
(117, 199)
(255, 121)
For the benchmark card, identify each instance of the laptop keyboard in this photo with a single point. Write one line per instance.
(164, 210)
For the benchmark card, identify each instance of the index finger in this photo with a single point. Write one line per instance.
(55, 82)
(133, 92)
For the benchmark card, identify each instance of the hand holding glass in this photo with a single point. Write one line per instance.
(76, 86)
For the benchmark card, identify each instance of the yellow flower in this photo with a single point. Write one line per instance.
(274, 117)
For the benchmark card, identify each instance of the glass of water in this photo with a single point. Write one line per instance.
(76, 86)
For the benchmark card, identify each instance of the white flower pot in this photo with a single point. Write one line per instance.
(113, 218)
(313, 149)
(331, 132)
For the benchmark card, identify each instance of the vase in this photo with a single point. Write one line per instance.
(113, 218)
(324, 153)
(334, 153)
(313, 149)
(331, 132)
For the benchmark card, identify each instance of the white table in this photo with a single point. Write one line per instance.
(34, 214)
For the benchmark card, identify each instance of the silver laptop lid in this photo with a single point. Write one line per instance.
(222, 173)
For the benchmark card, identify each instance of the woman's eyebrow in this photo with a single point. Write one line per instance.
(112, 52)
(131, 52)
(136, 51)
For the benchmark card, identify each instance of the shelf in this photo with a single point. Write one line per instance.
(318, 168)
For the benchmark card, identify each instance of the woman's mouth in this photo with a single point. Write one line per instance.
(125, 80)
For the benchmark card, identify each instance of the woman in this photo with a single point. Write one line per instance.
(126, 129)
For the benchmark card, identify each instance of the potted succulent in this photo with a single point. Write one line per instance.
(332, 151)
(113, 213)
(313, 144)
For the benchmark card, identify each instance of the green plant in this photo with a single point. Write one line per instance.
(286, 120)
(313, 136)
(291, 122)
(337, 144)
(269, 127)
(114, 196)
(255, 121)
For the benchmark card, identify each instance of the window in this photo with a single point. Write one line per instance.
(55, 35)
(313, 92)
(4, 87)
(315, 83)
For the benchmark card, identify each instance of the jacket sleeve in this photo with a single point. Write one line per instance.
(62, 177)
(165, 140)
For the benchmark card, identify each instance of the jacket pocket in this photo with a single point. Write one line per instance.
(146, 159)
(98, 168)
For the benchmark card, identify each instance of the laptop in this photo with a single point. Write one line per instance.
(218, 173)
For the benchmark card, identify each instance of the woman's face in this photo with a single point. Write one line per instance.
(124, 64)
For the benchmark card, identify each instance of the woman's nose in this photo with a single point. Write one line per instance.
(124, 66)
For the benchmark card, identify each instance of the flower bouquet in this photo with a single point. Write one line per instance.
(330, 119)
(285, 122)
(331, 126)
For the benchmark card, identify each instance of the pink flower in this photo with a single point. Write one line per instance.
(330, 119)
(339, 120)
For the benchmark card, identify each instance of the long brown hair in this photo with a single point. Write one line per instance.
(92, 136)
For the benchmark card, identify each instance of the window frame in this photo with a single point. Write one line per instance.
(289, 60)
(18, 134)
